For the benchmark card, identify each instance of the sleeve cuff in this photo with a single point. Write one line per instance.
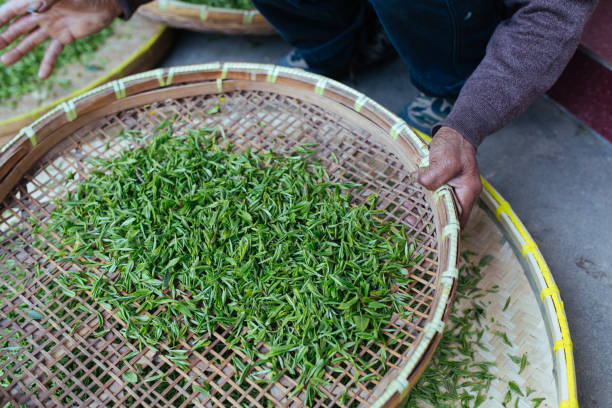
(468, 122)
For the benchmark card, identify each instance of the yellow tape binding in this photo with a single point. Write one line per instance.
(219, 84)
(320, 86)
(360, 102)
(530, 246)
(550, 291)
(247, 16)
(398, 128)
(203, 13)
(162, 4)
(119, 88)
(503, 207)
(70, 110)
(31, 134)
(572, 403)
(565, 344)
(272, 74)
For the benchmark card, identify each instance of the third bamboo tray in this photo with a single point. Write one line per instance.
(196, 17)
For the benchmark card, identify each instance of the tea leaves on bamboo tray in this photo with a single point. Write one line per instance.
(454, 378)
(183, 235)
(22, 77)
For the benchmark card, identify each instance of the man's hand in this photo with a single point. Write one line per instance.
(64, 21)
(452, 160)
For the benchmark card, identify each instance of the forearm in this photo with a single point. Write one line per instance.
(128, 7)
(524, 57)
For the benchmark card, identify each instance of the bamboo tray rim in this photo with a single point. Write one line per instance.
(13, 155)
(208, 19)
(163, 4)
(542, 281)
(111, 74)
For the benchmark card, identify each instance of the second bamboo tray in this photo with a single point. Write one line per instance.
(150, 42)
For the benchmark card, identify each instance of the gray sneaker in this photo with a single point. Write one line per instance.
(423, 111)
(294, 60)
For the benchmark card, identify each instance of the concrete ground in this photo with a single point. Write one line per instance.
(555, 173)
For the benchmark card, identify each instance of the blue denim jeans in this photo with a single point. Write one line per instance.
(441, 41)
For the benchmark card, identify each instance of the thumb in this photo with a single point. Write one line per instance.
(437, 173)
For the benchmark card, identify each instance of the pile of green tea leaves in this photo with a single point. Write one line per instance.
(231, 4)
(22, 77)
(188, 234)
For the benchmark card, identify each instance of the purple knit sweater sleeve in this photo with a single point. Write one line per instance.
(130, 6)
(524, 57)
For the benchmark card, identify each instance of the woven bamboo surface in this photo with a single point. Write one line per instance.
(523, 322)
(52, 361)
(194, 17)
(150, 40)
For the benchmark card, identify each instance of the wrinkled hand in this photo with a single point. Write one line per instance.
(452, 160)
(64, 21)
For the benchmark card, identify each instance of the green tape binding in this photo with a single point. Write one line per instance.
(320, 86)
(159, 74)
(272, 74)
(31, 134)
(433, 327)
(219, 85)
(204, 13)
(397, 129)
(424, 162)
(70, 110)
(224, 71)
(247, 16)
(449, 275)
(170, 76)
(119, 88)
(162, 4)
(362, 100)
(449, 229)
